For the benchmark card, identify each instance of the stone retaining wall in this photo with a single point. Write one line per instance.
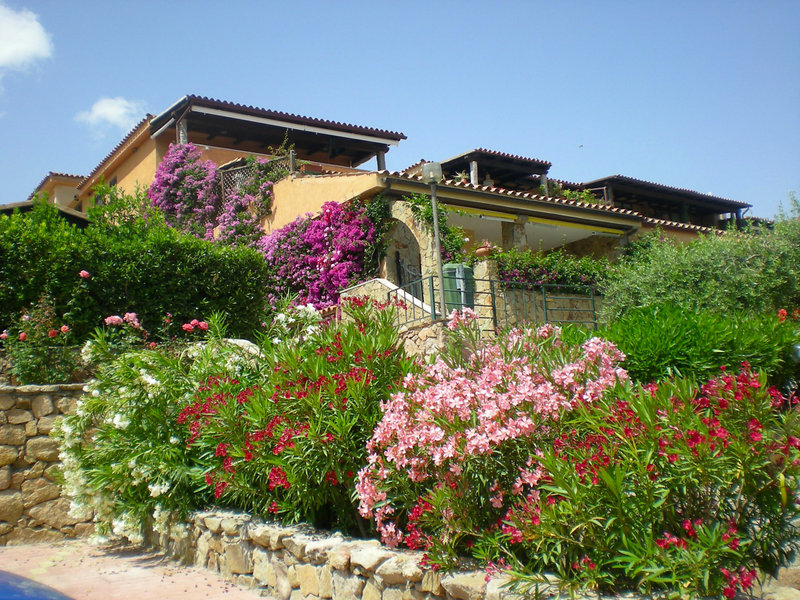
(299, 563)
(31, 507)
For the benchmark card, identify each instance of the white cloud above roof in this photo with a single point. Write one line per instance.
(24, 40)
(115, 112)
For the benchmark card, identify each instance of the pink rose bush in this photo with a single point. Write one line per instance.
(535, 456)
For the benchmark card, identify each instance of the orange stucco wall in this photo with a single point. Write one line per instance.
(297, 195)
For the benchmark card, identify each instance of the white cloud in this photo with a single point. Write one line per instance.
(24, 40)
(116, 112)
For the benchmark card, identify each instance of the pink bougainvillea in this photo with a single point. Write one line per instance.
(315, 257)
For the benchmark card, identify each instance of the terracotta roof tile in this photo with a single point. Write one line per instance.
(290, 117)
(677, 225)
(668, 188)
(522, 195)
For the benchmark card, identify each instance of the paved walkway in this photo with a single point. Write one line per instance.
(86, 572)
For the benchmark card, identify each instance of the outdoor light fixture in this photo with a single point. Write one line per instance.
(432, 175)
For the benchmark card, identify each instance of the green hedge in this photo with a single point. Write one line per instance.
(137, 264)
(758, 271)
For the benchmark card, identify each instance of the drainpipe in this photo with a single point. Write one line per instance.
(381, 156)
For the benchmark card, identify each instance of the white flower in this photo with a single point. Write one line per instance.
(156, 489)
(121, 421)
(174, 440)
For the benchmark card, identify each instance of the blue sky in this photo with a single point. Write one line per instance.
(699, 94)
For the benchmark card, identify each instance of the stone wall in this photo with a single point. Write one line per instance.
(299, 563)
(423, 338)
(31, 507)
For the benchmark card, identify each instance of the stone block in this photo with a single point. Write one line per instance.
(263, 570)
(5, 477)
(339, 558)
(237, 559)
(296, 545)
(83, 530)
(31, 428)
(317, 550)
(12, 435)
(371, 591)
(431, 582)
(27, 535)
(399, 569)
(308, 578)
(233, 525)
(326, 582)
(54, 513)
(297, 595)
(42, 448)
(67, 405)
(5, 528)
(368, 556)
(393, 594)
(7, 401)
(17, 416)
(213, 523)
(46, 424)
(16, 479)
(10, 506)
(269, 536)
(42, 406)
(465, 586)
(346, 585)
(8, 455)
(36, 491)
(52, 472)
(291, 576)
(35, 471)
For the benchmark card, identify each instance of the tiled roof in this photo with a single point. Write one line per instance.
(416, 165)
(274, 114)
(520, 195)
(50, 174)
(677, 225)
(666, 188)
(121, 143)
(512, 156)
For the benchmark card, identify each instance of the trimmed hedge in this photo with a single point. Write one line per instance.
(137, 264)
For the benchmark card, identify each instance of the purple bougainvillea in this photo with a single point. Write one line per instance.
(314, 258)
(185, 189)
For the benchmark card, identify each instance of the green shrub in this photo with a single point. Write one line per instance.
(666, 340)
(40, 346)
(755, 271)
(276, 429)
(134, 263)
(123, 455)
(538, 457)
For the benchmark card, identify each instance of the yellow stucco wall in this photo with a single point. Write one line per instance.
(296, 195)
(137, 168)
(677, 235)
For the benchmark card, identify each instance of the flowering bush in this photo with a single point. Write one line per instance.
(291, 442)
(185, 189)
(316, 257)
(556, 267)
(457, 447)
(536, 457)
(123, 457)
(40, 346)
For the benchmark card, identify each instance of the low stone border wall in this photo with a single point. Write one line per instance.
(31, 507)
(299, 563)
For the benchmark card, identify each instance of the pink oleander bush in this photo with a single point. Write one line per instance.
(539, 457)
(315, 257)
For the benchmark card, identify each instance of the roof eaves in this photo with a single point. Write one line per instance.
(128, 137)
(668, 188)
(194, 100)
(449, 183)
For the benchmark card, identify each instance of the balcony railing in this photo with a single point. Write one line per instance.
(498, 304)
